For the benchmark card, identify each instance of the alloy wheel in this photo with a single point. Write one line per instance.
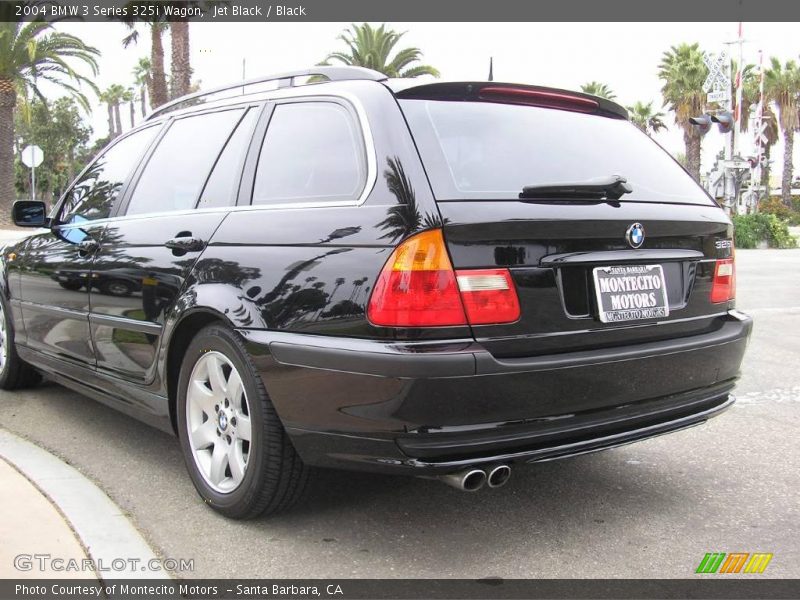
(218, 422)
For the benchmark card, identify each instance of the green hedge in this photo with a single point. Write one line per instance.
(774, 206)
(752, 229)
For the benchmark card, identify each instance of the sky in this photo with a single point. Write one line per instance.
(625, 56)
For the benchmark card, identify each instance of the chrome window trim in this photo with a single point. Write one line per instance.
(283, 96)
(217, 209)
(366, 132)
(368, 146)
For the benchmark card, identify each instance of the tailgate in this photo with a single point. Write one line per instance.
(552, 251)
(551, 184)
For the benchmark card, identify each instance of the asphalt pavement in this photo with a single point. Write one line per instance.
(648, 510)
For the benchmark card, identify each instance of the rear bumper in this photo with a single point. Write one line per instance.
(432, 407)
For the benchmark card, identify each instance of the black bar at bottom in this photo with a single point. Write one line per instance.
(706, 586)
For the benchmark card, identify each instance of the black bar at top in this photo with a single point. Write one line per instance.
(260, 11)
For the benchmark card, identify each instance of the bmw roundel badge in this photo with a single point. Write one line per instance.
(635, 235)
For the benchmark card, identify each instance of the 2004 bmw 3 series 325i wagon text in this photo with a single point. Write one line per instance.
(331, 269)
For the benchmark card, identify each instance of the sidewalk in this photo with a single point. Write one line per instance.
(9, 235)
(33, 526)
(52, 511)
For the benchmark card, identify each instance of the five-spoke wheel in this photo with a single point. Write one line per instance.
(238, 455)
(218, 421)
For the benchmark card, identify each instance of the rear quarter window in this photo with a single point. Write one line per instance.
(312, 152)
(485, 150)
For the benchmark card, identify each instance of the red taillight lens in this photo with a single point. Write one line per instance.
(489, 296)
(724, 286)
(419, 288)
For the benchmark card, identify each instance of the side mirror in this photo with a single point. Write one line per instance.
(29, 213)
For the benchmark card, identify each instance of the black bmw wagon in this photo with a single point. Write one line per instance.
(327, 268)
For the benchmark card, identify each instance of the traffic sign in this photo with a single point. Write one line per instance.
(718, 78)
(718, 96)
(32, 156)
(736, 163)
(761, 132)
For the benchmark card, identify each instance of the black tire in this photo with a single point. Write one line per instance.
(116, 287)
(72, 286)
(275, 476)
(15, 373)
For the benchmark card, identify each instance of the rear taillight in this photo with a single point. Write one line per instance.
(724, 285)
(419, 288)
(489, 296)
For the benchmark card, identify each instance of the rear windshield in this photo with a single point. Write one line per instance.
(483, 150)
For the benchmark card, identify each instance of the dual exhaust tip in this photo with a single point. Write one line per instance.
(472, 480)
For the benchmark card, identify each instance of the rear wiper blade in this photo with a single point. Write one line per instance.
(602, 188)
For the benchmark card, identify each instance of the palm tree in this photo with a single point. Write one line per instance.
(595, 88)
(683, 72)
(403, 218)
(130, 97)
(338, 283)
(29, 54)
(107, 99)
(142, 75)
(158, 77)
(113, 96)
(782, 87)
(646, 118)
(772, 133)
(118, 95)
(181, 70)
(749, 92)
(371, 48)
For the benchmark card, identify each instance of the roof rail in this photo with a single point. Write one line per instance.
(284, 80)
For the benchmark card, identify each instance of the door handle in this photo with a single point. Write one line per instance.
(185, 244)
(88, 246)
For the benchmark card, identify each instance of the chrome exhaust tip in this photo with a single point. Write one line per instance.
(470, 480)
(499, 476)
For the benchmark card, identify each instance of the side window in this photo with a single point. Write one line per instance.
(178, 168)
(92, 195)
(313, 151)
(223, 182)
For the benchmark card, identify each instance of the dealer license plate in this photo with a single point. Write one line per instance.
(630, 293)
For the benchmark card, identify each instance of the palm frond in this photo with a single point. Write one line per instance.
(372, 48)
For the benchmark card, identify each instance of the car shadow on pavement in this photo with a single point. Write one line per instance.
(357, 513)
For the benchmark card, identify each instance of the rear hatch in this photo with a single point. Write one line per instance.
(573, 199)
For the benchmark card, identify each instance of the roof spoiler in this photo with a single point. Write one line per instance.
(509, 93)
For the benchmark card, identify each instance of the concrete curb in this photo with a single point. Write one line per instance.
(104, 530)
